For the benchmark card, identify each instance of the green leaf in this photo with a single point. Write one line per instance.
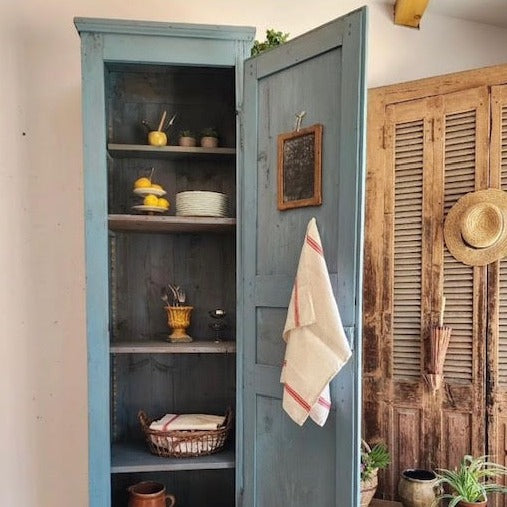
(273, 39)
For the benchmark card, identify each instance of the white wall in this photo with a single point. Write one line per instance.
(43, 431)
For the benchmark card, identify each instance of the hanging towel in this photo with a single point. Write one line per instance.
(317, 346)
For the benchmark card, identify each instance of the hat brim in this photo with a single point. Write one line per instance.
(452, 229)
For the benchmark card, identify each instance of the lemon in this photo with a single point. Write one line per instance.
(150, 200)
(142, 183)
(163, 203)
(157, 138)
(156, 186)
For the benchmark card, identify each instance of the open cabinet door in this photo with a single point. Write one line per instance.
(322, 73)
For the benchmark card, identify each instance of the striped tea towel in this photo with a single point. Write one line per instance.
(317, 346)
(180, 422)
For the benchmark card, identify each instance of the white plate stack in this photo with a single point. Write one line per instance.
(199, 203)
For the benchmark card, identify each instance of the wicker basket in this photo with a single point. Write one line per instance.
(369, 486)
(185, 443)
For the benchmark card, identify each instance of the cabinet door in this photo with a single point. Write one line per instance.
(321, 73)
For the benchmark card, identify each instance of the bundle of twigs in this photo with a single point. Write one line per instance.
(437, 350)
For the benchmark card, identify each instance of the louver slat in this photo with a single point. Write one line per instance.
(502, 320)
(408, 202)
(459, 179)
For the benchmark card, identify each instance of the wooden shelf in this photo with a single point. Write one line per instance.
(148, 151)
(174, 224)
(128, 458)
(164, 347)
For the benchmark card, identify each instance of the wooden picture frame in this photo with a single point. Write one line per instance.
(300, 168)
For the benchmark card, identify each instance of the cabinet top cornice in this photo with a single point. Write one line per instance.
(131, 27)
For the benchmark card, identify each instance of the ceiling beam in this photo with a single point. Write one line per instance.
(409, 12)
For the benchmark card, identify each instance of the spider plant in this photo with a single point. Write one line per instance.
(470, 481)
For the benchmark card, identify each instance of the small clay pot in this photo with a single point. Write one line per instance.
(484, 503)
(187, 141)
(209, 142)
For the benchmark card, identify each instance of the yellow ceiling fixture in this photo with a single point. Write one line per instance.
(409, 12)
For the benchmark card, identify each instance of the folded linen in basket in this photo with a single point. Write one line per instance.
(174, 422)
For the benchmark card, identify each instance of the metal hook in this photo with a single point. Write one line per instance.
(299, 119)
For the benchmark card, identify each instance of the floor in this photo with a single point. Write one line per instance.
(384, 503)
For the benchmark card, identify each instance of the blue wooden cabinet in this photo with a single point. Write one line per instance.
(244, 262)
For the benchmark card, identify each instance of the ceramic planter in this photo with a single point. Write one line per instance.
(475, 504)
(417, 487)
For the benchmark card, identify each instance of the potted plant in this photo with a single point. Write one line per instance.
(372, 459)
(187, 139)
(470, 484)
(209, 138)
(273, 39)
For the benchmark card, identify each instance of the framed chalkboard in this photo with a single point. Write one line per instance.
(300, 168)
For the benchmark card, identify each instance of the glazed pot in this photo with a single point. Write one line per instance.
(484, 503)
(417, 487)
(149, 494)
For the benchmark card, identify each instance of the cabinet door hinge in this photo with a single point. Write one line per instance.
(240, 498)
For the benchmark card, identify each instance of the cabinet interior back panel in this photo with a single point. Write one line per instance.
(215, 175)
(200, 97)
(169, 383)
(216, 487)
(142, 264)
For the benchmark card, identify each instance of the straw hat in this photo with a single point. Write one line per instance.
(475, 228)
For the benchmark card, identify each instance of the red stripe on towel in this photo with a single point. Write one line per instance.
(324, 403)
(296, 303)
(164, 428)
(313, 244)
(297, 397)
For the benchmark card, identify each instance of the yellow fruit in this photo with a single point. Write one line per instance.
(142, 183)
(163, 203)
(156, 186)
(157, 138)
(150, 200)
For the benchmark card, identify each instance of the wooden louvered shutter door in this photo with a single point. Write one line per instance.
(409, 160)
(461, 151)
(497, 295)
(434, 153)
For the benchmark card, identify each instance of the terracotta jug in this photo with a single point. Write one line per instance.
(417, 488)
(149, 494)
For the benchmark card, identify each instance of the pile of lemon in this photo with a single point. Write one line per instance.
(151, 199)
